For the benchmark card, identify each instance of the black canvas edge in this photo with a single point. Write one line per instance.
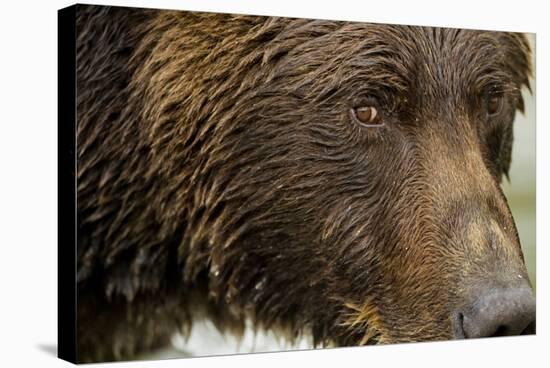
(66, 185)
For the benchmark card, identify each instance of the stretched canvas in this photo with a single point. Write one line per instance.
(238, 183)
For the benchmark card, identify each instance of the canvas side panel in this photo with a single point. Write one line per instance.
(66, 175)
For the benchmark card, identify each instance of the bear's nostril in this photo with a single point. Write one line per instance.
(501, 331)
(530, 329)
(457, 322)
(501, 312)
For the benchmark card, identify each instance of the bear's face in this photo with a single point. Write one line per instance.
(317, 176)
(361, 182)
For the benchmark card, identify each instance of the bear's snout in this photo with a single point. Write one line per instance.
(498, 312)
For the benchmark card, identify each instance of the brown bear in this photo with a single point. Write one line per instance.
(333, 179)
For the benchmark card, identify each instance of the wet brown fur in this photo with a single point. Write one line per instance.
(220, 175)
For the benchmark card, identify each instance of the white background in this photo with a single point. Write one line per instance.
(28, 181)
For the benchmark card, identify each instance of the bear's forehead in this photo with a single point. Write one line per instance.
(396, 57)
(402, 49)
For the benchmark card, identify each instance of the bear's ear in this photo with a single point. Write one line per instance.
(518, 59)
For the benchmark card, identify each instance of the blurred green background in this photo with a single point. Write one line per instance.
(521, 189)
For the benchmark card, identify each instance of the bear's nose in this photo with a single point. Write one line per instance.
(501, 312)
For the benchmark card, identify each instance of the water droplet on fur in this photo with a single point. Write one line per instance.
(228, 297)
(214, 270)
(260, 284)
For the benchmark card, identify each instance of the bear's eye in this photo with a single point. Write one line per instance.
(494, 104)
(367, 116)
